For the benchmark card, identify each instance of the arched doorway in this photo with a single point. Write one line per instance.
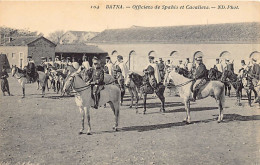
(224, 55)
(114, 56)
(255, 54)
(174, 57)
(152, 53)
(131, 59)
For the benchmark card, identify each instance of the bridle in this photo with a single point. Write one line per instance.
(79, 88)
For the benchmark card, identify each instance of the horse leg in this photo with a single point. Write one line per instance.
(162, 99)
(115, 109)
(58, 86)
(248, 92)
(136, 102)
(23, 92)
(132, 97)
(86, 111)
(187, 108)
(220, 107)
(145, 96)
(38, 84)
(255, 93)
(82, 119)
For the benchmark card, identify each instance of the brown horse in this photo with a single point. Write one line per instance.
(143, 85)
(214, 74)
(229, 76)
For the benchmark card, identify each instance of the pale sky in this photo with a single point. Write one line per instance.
(46, 16)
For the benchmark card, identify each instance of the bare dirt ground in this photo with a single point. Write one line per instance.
(45, 131)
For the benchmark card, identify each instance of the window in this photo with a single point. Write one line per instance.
(13, 55)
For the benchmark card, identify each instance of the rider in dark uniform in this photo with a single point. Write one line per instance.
(161, 68)
(255, 71)
(31, 70)
(199, 74)
(96, 79)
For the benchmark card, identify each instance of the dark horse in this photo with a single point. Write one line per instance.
(143, 83)
(214, 74)
(229, 76)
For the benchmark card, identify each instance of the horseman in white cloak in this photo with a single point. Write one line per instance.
(109, 67)
(156, 69)
(120, 64)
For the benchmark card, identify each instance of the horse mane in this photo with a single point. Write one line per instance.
(137, 79)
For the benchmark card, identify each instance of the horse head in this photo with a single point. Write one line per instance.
(128, 79)
(69, 82)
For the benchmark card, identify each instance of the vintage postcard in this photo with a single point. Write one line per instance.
(129, 82)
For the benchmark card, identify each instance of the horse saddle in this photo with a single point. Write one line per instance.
(199, 85)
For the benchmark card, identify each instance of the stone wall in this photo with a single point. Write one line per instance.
(41, 48)
(174, 52)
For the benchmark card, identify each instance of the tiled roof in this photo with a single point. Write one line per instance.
(26, 40)
(22, 41)
(77, 48)
(214, 33)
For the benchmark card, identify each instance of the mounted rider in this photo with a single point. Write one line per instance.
(161, 68)
(121, 66)
(229, 65)
(200, 74)
(255, 70)
(96, 79)
(30, 68)
(153, 73)
(85, 63)
(188, 65)
(109, 67)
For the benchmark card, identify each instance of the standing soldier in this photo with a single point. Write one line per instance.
(188, 65)
(85, 63)
(96, 79)
(75, 64)
(50, 62)
(161, 68)
(57, 62)
(181, 65)
(109, 67)
(4, 82)
(62, 63)
(199, 74)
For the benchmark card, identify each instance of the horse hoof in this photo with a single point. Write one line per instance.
(89, 133)
(80, 132)
(188, 122)
(130, 106)
(42, 96)
(115, 129)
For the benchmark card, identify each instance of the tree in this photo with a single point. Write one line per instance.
(56, 36)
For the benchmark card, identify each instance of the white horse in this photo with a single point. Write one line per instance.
(110, 94)
(183, 85)
(20, 76)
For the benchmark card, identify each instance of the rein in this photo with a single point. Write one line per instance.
(81, 88)
(182, 84)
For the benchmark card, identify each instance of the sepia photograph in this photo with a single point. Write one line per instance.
(129, 82)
